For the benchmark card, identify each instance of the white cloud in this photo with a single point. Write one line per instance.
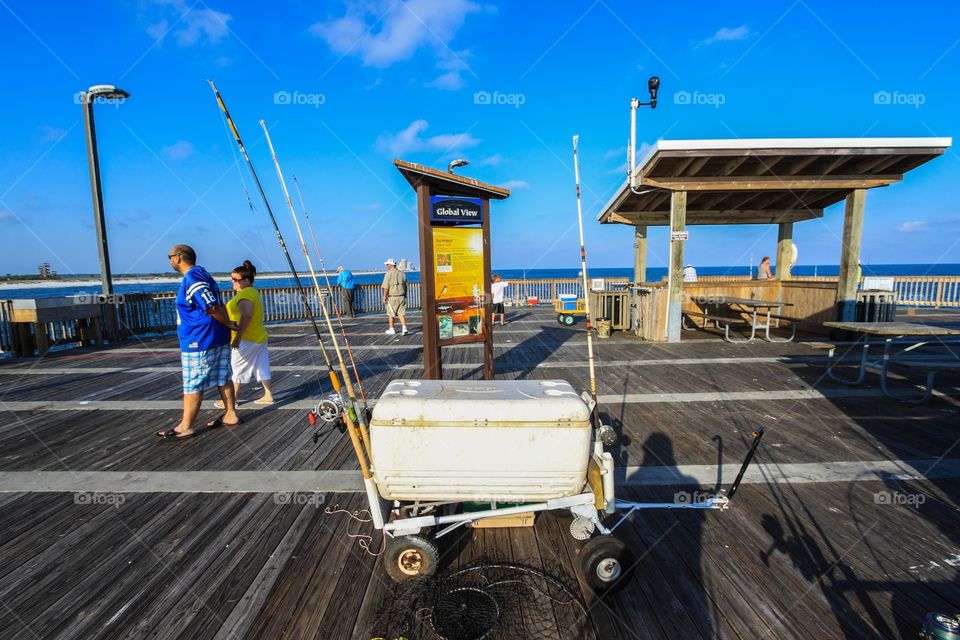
(451, 80)
(515, 184)
(490, 161)
(410, 140)
(6, 215)
(388, 32)
(179, 150)
(190, 26)
(619, 152)
(916, 225)
(373, 206)
(725, 34)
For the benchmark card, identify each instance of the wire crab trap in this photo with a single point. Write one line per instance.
(485, 600)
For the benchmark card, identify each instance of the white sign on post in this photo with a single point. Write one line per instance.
(679, 235)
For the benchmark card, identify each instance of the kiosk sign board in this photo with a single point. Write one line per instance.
(456, 210)
(459, 277)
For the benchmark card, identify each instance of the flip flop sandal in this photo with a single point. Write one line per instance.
(218, 422)
(219, 404)
(263, 402)
(172, 434)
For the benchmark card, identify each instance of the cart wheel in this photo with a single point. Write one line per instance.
(560, 318)
(409, 557)
(568, 320)
(605, 564)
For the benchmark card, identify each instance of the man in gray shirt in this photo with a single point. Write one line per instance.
(395, 296)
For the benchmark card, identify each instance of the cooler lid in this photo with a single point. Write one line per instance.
(480, 402)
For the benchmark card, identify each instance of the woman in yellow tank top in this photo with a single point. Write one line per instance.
(249, 356)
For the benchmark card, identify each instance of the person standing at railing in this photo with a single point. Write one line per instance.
(497, 288)
(249, 357)
(346, 284)
(203, 328)
(395, 296)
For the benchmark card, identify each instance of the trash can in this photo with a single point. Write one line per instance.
(603, 328)
(876, 306)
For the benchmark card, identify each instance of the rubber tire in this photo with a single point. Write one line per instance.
(568, 320)
(596, 551)
(429, 557)
(560, 318)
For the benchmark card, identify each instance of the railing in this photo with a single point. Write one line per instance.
(153, 313)
(548, 289)
(7, 338)
(928, 291)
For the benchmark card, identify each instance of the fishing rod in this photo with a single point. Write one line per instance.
(351, 394)
(583, 271)
(334, 379)
(336, 307)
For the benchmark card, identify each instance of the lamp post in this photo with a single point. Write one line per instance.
(87, 98)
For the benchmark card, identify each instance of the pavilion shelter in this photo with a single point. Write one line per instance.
(682, 183)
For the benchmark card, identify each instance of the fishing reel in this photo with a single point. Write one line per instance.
(328, 411)
(940, 626)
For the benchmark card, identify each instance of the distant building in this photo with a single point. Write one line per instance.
(404, 265)
(45, 271)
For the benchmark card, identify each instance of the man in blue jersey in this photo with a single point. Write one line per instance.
(204, 332)
(345, 282)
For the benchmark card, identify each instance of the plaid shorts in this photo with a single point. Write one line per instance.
(205, 369)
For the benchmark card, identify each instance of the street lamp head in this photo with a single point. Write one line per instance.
(106, 92)
(459, 162)
(653, 85)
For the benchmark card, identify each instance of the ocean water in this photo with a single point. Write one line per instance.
(653, 274)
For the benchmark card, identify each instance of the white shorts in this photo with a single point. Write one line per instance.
(250, 360)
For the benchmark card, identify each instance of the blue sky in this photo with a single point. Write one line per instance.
(346, 87)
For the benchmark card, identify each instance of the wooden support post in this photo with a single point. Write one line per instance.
(487, 296)
(639, 271)
(678, 224)
(784, 250)
(850, 255)
(428, 289)
(640, 253)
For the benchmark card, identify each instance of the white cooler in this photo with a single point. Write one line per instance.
(478, 440)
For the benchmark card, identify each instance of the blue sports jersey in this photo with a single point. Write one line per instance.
(198, 331)
(345, 279)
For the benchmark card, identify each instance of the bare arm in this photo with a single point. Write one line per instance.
(218, 313)
(246, 313)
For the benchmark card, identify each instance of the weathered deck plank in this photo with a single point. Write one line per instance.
(786, 561)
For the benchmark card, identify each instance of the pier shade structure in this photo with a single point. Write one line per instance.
(683, 183)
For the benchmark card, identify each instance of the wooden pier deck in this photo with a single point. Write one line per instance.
(849, 527)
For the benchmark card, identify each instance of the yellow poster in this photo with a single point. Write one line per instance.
(458, 271)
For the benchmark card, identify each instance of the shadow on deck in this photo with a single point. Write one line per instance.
(848, 528)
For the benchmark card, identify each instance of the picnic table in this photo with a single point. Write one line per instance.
(891, 331)
(749, 306)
